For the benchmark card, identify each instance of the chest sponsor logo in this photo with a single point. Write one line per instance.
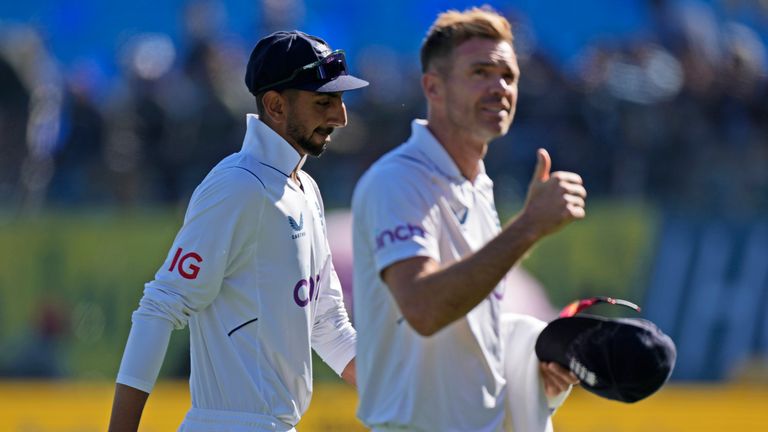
(297, 227)
(399, 233)
(182, 263)
(306, 290)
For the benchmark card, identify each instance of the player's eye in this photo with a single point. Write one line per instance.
(510, 78)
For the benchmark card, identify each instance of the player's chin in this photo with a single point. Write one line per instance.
(318, 149)
(495, 125)
(313, 146)
(495, 129)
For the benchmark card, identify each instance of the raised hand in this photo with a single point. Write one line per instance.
(554, 199)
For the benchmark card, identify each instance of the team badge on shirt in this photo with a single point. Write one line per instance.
(461, 214)
(297, 227)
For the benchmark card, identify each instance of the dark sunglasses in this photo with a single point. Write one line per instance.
(329, 67)
(579, 305)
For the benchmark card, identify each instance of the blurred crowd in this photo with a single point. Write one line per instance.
(677, 115)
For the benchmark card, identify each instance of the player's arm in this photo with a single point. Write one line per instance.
(127, 407)
(143, 356)
(431, 297)
(187, 282)
(349, 375)
(333, 337)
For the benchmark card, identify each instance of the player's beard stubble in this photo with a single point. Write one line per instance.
(303, 138)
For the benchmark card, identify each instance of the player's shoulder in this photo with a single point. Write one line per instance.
(242, 167)
(236, 177)
(401, 167)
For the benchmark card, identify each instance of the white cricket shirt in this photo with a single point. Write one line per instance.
(415, 202)
(251, 272)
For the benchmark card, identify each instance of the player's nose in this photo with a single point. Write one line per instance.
(500, 87)
(337, 116)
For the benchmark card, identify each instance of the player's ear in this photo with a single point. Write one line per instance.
(275, 106)
(432, 85)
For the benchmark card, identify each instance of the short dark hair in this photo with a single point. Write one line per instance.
(452, 28)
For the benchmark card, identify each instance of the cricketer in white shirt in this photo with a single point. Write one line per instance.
(414, 202)
(251, 272)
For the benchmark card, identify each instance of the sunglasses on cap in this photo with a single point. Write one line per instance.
(579, 305)
(327, 68)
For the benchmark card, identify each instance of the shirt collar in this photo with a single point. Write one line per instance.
(270, 148)
(423, 140)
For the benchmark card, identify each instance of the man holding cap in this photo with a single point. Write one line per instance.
(250, 270)
(431, 256)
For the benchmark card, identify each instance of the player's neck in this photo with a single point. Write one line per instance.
(466, 150)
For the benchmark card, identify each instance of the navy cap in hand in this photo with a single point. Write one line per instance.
(623, 359)
(296, 60)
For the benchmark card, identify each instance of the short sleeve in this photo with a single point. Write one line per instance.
(396, 215)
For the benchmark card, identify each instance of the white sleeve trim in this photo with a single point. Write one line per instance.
(144, 352)
(342, 354)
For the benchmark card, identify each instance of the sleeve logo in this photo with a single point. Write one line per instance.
(187, 271)
(399, 233)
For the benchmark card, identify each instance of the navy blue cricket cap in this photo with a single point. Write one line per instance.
(296, 60)
(623, 359)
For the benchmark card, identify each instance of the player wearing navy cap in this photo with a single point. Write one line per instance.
(250, 270)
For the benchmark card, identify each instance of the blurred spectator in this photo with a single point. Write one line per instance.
(282, 15)
(628, 113)
(31, 168)
(136, 121)
(38, 352)
(14, 112)
(79, 174)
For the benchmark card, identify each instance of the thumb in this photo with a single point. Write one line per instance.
(542, 166)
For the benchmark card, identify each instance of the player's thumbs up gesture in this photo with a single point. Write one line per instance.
(554, 199)
(543, 165)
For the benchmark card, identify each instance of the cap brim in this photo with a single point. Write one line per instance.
(339, 84)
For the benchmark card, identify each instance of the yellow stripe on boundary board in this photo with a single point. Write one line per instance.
(41, 406)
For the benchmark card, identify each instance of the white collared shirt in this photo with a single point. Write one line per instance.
(415, 202)
(251, 272)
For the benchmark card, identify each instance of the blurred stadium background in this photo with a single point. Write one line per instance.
(111, 114)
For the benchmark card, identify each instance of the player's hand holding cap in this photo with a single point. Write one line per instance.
(623, 359)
